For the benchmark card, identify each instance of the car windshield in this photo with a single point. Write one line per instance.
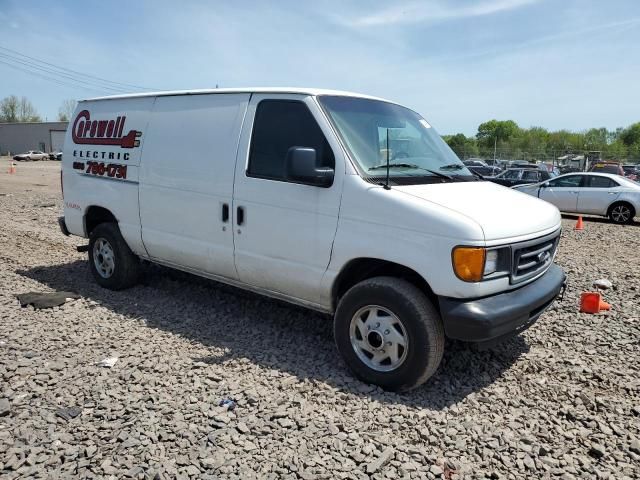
(606, 168)
(510, 174)
(374, 131)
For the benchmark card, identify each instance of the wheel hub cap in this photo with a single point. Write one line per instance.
(103, 258)
(621, 214)
(378, 338)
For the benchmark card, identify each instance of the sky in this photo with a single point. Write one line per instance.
(572, 64)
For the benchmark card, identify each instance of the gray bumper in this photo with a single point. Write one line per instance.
(491, 318)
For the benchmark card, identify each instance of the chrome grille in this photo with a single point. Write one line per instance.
(533, 257)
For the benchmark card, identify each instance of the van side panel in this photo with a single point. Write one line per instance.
(102, 152)
(187, 176)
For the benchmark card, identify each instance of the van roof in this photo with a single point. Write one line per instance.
(294, 90)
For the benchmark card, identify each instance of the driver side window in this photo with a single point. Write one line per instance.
(278, 126)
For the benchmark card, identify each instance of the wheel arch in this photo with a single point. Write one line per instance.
(95, 215)
(359, 269)
(620, 201)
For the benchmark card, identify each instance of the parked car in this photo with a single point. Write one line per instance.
(292, 193)
(481, 168)
(607, 167)
(55, 155)
(631, 171)
(521, 164)
(31, 155)
(604, 194)
(520, 176)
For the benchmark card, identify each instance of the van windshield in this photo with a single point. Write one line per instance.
(374, 130)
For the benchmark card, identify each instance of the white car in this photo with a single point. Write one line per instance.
(294, 193)
(31, 155)
(602, 194)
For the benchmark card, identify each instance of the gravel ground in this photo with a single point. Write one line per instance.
(562, 400)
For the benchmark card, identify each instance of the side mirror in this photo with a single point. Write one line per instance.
(544, 185)
(301, 167)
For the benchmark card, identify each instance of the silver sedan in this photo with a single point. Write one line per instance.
(602, 194)
(31, 155)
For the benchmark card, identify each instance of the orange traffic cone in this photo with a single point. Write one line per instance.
(12, 168)
(579, 224)
(591, 302)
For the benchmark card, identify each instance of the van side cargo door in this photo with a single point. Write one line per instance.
(186, 182)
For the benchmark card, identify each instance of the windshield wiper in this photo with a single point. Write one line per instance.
(411, 165)
(458, 166)
(401, 165)
(452, 166)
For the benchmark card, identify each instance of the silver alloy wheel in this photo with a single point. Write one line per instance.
(103, 258)
(621, 214)
(379, 338)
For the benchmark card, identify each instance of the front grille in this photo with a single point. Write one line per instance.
(533, 257)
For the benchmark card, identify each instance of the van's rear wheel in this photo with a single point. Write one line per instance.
(112, 263)
(389, 333)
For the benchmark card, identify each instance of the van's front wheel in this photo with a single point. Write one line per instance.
(389, 333)
(112, 263)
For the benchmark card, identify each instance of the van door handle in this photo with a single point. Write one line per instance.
(240, 216)
(225, 212)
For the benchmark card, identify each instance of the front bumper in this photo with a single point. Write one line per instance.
(489, 319)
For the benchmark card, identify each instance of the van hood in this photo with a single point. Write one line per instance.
(501, 212)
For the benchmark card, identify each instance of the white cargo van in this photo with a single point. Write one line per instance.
(343, 203)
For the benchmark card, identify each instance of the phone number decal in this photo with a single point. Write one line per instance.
(112, 170)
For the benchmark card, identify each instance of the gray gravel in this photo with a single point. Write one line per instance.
(560, 401)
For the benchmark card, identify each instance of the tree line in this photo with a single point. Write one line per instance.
(16, 109)
(506, 140)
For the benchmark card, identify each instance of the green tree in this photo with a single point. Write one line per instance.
(496, 130)
(596, 139)
(463, 146)
(631, 134)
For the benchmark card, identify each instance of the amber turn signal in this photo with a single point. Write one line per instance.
(468, 263)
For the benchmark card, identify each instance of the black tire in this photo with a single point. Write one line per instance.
(126, 265)
(617, 213)
(419, 318)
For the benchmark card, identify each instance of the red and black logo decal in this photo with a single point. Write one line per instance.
(103, 132)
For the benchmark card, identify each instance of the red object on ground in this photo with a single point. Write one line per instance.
(579, 224)
(591, 302)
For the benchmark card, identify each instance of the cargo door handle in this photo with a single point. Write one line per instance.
(240, 216)
(225, 212)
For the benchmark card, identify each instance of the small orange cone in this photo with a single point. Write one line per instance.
(591, 302)
(579, 224)
(12, 168)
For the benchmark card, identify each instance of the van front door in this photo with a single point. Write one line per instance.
(284, 231)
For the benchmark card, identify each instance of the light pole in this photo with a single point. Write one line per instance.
(495, 144)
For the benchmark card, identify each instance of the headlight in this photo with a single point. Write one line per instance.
(491, 262)
(473, 264)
